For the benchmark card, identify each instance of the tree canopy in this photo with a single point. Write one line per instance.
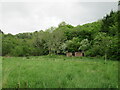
(98, 38)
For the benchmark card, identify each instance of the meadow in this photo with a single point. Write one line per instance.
(58, 72)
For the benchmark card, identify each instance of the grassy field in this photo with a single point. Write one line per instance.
(0, 72)
(58, 72)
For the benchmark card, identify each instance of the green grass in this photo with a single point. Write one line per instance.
(58, 72)
(0, 72)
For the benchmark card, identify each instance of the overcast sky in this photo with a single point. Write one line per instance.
(24, 16)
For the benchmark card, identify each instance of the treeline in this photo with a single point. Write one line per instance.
(97, 39)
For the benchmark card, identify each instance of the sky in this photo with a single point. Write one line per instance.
(28, 16)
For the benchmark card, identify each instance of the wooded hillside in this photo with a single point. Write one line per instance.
(97, 39)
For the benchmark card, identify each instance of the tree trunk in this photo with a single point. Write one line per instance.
(105, 57)
(49, 51)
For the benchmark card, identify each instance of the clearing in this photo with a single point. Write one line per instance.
(58, 72)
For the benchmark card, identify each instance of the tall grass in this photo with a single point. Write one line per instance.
(59, 72)
(0, 72)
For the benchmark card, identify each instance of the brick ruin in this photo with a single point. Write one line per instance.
(79, 54)
(69, 54)
(76, 54)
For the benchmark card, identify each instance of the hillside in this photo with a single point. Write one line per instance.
(97, 39)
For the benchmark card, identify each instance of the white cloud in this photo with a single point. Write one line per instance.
(0, 15)
(59, 1)
(28, 17)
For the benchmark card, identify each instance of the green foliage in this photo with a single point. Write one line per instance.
(8, 43)
(62, 24)
(24, 35)
(84, 45)
(110, 24)
(72, 45)
(99, 38)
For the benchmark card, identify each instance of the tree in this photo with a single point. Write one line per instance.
(54, 40)
(103, 43)
(84, 45)
(58, 38)
(62, 24)
(39, 43)
(8, 43)
(51, 29)
(97, 38)
(110, 23)
(72, 45)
